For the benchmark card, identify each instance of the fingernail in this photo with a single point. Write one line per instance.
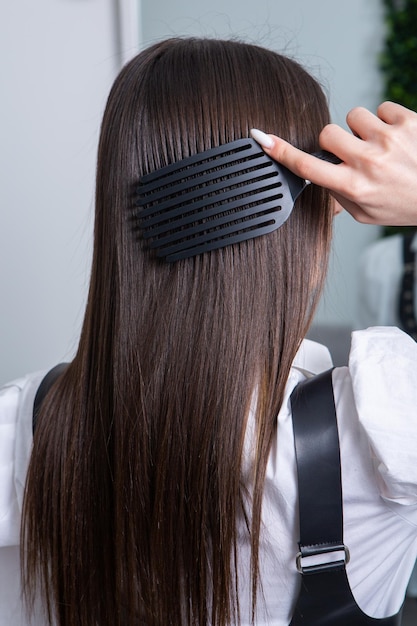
(262, 138)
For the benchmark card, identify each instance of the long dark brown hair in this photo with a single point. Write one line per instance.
(135, 486)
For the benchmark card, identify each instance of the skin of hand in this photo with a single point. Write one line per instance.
(377, 181)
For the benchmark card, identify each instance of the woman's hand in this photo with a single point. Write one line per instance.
(377, 181)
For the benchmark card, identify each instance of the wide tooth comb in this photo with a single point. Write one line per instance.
(213, 199)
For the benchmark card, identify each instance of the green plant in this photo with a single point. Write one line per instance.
(398, 61)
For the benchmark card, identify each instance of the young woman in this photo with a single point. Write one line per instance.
(161, 484)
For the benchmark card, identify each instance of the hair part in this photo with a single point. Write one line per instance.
(135, 496)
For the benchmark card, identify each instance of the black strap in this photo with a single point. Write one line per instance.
(321, 516)
(43, 389)
(406, 300)
(325, 597)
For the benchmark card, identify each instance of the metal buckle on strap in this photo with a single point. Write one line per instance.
(307, 552)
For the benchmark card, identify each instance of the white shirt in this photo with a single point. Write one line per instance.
(376, 402)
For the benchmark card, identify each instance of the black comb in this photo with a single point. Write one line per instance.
(216, 198)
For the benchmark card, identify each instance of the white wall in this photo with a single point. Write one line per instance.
(339, 43)
(58, 59)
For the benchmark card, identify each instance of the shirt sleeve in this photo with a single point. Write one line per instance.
(16, 406)
(312, 358)
(9, 513)
(383, 369)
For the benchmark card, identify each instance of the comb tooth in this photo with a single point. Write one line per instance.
(179, 209)
(183, 219)
(186, 253)
(191, 179)
(225, 233)
(183, 199)
(234, 150)
(182, 173)
(270, 209)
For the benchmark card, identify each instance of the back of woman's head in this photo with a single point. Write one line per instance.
(176, 99)
(153, 410)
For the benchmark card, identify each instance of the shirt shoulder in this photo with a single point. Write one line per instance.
(312, 358)
(383, 373)
(16, 409)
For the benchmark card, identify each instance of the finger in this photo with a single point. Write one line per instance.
(304, 165)
(333, 177)
(340, 142)
(392, 113)
(363, 123)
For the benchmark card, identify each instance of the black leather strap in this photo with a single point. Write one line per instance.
(43, 389)
(406, 311)
(325, 597)
(315, 430)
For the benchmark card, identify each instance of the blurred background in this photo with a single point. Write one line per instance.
(58, 60)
